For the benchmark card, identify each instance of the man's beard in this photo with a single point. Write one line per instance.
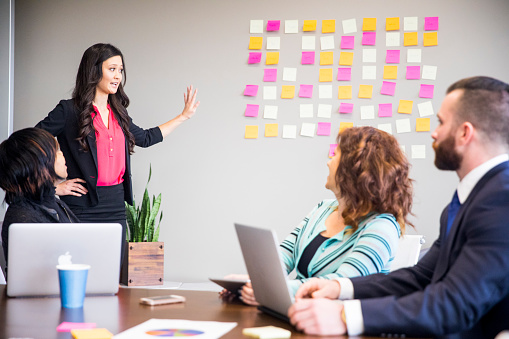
(446, 157)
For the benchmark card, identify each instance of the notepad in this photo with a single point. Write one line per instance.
(266, 332)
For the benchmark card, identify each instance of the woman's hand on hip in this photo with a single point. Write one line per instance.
(71, 187)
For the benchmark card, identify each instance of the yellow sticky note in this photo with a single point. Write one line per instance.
(272, 58)
(410, 39)
(344, 92)
(271, 130)
(251, 132)
(325, 74)
(94, 333)
(255, 42)
(390, 72)
(422, 125)
(392, 24)
(267, 332)
(328, 26)
(344, 125)
(369, 24)
(287, 92)
(365, 91)
(326, 58)
(346, 58)
(430, 39)
(309, 25)
(405, 106)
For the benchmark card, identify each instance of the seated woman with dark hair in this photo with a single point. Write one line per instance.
(31, 164)
(357, 233)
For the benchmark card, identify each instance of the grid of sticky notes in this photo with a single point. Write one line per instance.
(340, 51)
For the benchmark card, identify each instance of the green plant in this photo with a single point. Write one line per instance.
(141, 220)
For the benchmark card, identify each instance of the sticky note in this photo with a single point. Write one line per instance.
(410, 23)
(388, 88)
(323, 128)
(347, 42)
(429, 72)
(403, 126)
(414, 55)
(289, 131)
(256, 26)
(324, 111)
(369, 55)
(344, 73)
(392, 56)
(413, 72)
(251, 90)
(405, 106)
(269, 92)
(289, 74)
(68, 326)
(418, 151)
(308, 58)
(344, 92)
(390, 72)
(287, 92)
(273, 25)
(272, 58)
(255, 42)
(344, 125)
(392, 24)
(266, 332)
(349, 26)
(306, 110)
(422, 125)
(369, 24)
(96, 333)
(368, 38)
(307, 129)
(273, 42)
(346, 58)
(431, 23)
(308, 43)
(270, 112)
(410, 39)
(252, 110)
(425, 109)
(345, 107)
(309, 25)
(291, 26)
(271, 130)
(270, 74)
(325, 74)
(328, 26)
(385, 127)
(368, 72)
(384, 110)
(332, 150)
(426, 91)
(324, 91)
(306, 91)
(430, 39)
(392, 39)
(365, 91)
(326, 58)
(327, 42)
(251, 132)
(254, 58)
(368, 112)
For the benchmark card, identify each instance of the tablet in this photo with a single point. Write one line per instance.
(231, 285)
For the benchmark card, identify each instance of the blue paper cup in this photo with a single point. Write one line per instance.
(73, 283)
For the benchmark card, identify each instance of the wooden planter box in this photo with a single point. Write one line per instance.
(143, 264)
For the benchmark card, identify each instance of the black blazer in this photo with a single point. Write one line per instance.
(62, 122)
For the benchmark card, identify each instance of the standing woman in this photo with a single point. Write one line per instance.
(97, 137)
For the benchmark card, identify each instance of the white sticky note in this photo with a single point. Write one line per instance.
(418, 151)
(403, 126)
(289, 74)
(349, 26)
(307, 129)
(270, 112)
(369, 55)
(325, 91)
(291, 26)
(385, 127)
(429, 72)
(403, 148)
(306, 110)
(392, 39)
(367, 112)
(273, 42)
(414, 55)
(425, 109)
(324, 111)
(369, 72)
(256, 26)
(308, 43)
(289, 131)
(410, 23)
(327, 42)
(269, 92)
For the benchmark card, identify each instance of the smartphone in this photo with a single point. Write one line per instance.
(163, 299)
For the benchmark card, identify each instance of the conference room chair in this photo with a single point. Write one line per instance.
(408, 251)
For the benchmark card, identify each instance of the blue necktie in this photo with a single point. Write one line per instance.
(454, 206)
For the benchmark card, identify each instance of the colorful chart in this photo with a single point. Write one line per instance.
(172, 332)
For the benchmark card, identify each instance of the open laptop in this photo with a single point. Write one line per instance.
(35, 249)
(260, 249)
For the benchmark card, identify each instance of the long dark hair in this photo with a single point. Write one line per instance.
(27, 164)
(89, 75)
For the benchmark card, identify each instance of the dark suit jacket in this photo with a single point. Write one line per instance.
(62, 122)
(460, 288)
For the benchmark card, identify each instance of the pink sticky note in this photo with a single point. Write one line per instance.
(252, 110)
(431, 23)
(347, 42)
(344, 73)
(273, 25)
(251, 90)
(388, 88)
(385, 110)
(254, 58)
(345, 108)
(368, 38)
(68, 326)
(392, 56)
(332, 150)
(426, 91)
(308, 58)
(270, 74)
(323, 128)
(306, 91)
(413, 72)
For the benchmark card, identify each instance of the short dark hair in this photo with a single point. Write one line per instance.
(27, 164)
(485, 104)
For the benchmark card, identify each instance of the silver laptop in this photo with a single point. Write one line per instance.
(260, 249)
(34, 251)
